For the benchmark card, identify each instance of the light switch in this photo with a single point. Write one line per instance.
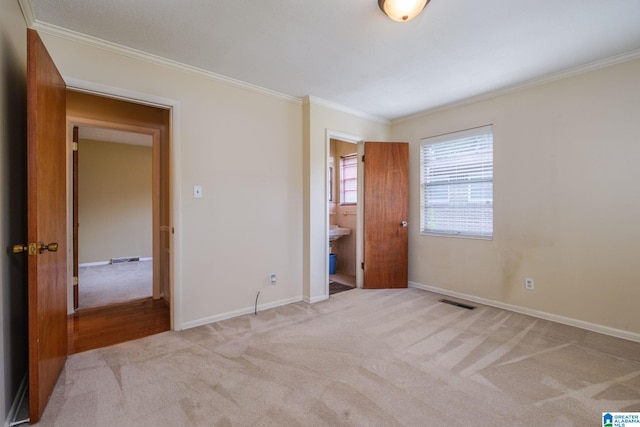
(197, 191)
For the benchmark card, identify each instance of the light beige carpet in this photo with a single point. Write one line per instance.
(111, 283)
(362, 358)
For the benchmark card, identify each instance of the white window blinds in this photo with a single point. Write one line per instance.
(349, 179)
(457, 184)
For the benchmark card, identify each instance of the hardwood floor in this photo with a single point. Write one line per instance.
(98, 327)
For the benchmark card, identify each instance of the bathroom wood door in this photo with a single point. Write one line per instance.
(46, 224)
(385, 198)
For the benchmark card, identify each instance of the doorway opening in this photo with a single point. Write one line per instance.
(122, 218)
(115, 242)
(381, 212)
(343, 214)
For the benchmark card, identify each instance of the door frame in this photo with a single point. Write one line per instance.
(359, 141)
(174, 107)
(73, 121)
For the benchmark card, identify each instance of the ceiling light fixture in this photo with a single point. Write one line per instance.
(402, 10)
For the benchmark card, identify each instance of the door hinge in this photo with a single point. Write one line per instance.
(75, 280)
(362, 265)
(74, 146)
(363, 158)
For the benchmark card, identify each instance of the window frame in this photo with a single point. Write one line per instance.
(353, 164)
(471, 151)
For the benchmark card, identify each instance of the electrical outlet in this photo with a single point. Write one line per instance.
(528, 284)
(272, 278)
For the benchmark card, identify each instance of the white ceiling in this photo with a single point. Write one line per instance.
(349, 53)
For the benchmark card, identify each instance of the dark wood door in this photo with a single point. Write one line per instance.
(386, 187)
(46, 210)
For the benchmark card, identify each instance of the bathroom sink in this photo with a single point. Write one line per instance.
(336, 232)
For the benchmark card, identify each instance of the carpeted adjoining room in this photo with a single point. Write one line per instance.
(113, 283)
(361, 358)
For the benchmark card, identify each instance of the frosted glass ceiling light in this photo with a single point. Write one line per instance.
(402, 10)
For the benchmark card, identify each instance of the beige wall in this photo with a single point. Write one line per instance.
(320, 122)
(566, 200)
(115, 206)
(244, 148)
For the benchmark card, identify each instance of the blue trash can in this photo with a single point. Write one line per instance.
(332, 263)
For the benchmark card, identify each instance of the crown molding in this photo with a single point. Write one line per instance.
(338, 107)
(27, 12)
(549, 78)
(118, 49)
(74, 36)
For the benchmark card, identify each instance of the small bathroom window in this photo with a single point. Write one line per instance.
(349, 179)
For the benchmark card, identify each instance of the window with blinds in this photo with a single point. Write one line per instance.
(349, 179)
(456, 184)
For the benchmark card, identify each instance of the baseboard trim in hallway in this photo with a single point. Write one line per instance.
(98, 327)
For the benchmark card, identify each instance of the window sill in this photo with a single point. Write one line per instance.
(457, 236)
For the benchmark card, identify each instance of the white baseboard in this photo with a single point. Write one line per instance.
(93, 264)
(315, 299)
(241, 312)
(17, 401)
(618, 333)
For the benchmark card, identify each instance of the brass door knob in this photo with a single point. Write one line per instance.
(51, 247)
(18, 249)
(31, 248)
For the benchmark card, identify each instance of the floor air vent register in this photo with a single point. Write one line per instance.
(124, 259)
(458, 304)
